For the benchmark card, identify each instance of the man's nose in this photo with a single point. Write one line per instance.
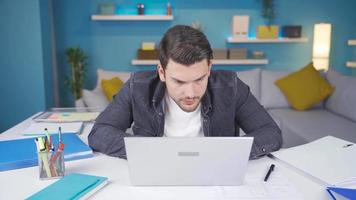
(190, 90)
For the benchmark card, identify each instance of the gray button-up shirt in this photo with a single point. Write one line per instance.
(226, 106)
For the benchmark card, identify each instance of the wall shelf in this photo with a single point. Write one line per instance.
(351, 64)
(215, 62)
(256, 40)
(132, 17)
(351, 42)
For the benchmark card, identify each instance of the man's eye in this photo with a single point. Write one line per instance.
(201, 79)
(179, 82)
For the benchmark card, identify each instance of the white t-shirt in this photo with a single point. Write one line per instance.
(179, 123)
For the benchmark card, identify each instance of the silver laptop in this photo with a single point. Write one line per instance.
(187, 161)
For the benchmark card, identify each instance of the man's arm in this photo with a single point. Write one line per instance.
(256, 122)
(108, 132)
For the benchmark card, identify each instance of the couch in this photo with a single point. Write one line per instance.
(335, 116)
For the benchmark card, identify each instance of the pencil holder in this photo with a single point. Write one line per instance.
(51, 164)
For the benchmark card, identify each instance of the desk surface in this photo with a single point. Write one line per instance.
(21, 183)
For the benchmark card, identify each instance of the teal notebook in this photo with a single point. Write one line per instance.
(73, 186)
(22, 153)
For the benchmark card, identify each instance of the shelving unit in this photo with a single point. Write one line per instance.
(215, 62)
(256, 40)
(351, 64)
(351, 42)
(132, 17)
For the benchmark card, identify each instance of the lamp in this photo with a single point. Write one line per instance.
(321, 46)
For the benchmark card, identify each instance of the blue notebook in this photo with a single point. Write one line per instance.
(22, 153)
(72, 186)
(348, 193)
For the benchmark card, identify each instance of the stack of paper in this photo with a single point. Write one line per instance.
(39, 127)
(66, 116)
(330, 160)
(72, 186)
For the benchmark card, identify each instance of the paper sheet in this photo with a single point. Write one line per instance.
(38, 128)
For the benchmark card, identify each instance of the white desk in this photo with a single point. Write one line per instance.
(21, 183)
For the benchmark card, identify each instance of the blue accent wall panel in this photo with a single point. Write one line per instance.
(21, 64)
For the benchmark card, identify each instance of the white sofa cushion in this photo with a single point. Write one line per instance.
(104, 74)
(94, 99)
(271, 95)
(252, 79)
(343, 99)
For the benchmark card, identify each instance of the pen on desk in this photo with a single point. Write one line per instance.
(59, 134)
(271, 168)
(347, 145)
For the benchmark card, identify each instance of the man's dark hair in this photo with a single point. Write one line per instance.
(184, 45)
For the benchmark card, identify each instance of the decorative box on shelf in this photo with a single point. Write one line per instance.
(220, 53)
(267, 32)
(147, 54)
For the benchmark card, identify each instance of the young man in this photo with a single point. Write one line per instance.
(184, 98)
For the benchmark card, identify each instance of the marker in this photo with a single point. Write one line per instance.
(41, 145)
(59, 134)
(49, 139)
(271, 168)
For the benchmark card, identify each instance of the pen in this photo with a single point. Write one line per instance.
(347, 145)
(271, 168)
(59, 134)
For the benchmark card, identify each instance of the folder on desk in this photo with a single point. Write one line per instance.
(22, 153)
(71, 187)
(338, 192)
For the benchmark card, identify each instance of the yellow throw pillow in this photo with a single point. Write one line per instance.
(111, 87)
(304, 88)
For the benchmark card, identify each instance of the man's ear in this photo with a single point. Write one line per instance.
(161, 73)
(210, 65)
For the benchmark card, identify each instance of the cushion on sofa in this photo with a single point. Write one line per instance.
(94, 99)
(300, 127)
(271, 96)
(105, 74)
(252, 78)
(111, 87)
(304, 88)
(343, 100)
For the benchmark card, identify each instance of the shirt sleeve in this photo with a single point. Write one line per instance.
(255, 121)
(108, 132)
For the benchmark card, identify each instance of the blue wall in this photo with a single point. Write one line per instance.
(22, 85)
(113, 44)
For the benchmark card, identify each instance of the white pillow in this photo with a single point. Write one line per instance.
(343, 100)
(94, 99)
(104, 74)
(252, 78)
(271, 95)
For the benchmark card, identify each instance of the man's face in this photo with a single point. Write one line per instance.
(185, 84)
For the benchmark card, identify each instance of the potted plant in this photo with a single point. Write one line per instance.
(268, 31)
(268, 11)
(77, 61)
